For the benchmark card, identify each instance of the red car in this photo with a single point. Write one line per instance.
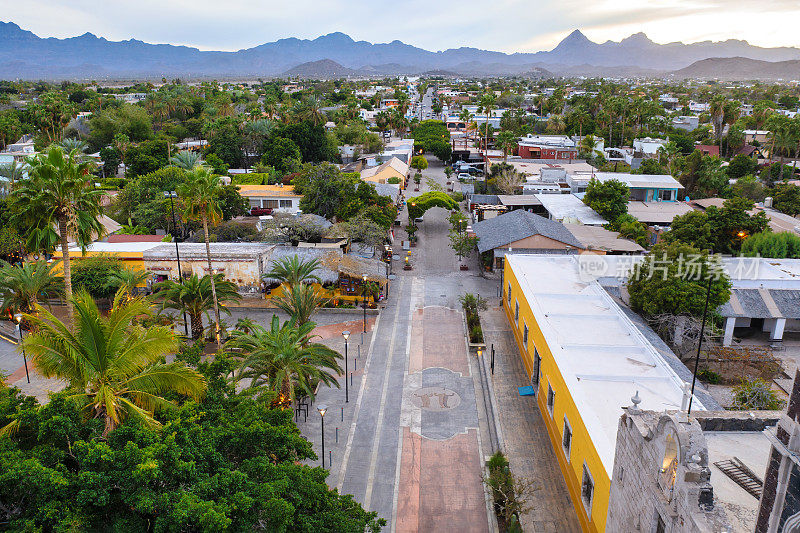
(259, 211)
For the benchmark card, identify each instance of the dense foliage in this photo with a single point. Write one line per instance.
(721, 230)
(673, 279)
(228, 463)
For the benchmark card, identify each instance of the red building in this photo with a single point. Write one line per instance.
(554, 147)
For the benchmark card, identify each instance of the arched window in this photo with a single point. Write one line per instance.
(669, 465)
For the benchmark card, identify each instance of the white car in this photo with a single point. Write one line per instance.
(464, 176)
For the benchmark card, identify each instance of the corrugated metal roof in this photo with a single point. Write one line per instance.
(762, 303)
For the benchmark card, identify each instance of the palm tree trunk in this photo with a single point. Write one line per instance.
(62, 229)
(211, 273)
(196, 319)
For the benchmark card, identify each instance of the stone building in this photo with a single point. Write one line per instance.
(675, 474)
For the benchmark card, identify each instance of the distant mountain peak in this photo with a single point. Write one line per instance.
(637, 39)
(576, 36)
(336, 36)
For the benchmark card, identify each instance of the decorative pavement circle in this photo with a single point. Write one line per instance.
(435, 398)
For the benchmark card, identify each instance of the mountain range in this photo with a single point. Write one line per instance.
(26, 55)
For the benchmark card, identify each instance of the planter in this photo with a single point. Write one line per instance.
(406, 267)
(463, 267)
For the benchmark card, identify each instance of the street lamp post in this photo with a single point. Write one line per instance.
(172, 195)
(364, 279)
(322, 408)
(699, 343)
(346, 335)
(18, 318)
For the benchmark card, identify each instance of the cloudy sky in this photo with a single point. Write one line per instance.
(506, 25)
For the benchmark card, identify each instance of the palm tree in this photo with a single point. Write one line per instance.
(311, 110)
(284, 359)
(68, 145)
(185, 160)
(506, 141)
(466, 117)
(195, 295)
(128, 280)
(111, 362)
(293, 271)
(784, 141)
(199, 193)
(21, 286)
(487, 105)
(14, 171)
(58, 193)
(717, 110)
(299, 302)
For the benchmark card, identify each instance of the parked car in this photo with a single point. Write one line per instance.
(464, 176)
(260, 211)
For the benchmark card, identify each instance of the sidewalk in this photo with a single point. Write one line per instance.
(527, 444)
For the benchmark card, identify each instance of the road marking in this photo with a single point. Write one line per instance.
(382, 410)
(362, 387)
(409, 415)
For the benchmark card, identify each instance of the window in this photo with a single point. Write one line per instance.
(566, 441)
(537, 364)
(273, 204)
(551, 398)
(509, 292)
(525, 335)
(587, 490)
(516, 311)
(286, 203)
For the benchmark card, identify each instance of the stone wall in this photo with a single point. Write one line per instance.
(661, 474)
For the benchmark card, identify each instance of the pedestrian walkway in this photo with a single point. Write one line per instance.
(527, 443)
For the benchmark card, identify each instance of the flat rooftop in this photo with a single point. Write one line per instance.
(601, 355)
(641, 181)
(661, 213)
(752, 448)
(570, 208)
(117, 247)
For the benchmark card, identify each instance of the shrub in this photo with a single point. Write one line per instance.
(756, 394)
(95, 274)
(476, 335)
(394, 180)
(709, 376)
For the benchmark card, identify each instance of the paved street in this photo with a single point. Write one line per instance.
(414, 436)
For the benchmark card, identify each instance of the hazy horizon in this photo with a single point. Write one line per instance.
(507, 26)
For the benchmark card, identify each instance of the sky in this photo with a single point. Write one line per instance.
(503, 25)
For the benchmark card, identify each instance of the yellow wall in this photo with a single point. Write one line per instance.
(130, 260)
(582, 450)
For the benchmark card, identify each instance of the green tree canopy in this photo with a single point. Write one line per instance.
(608, 198)
(781, 245)
(673, 279)
(429, 132)
(419, 204)
(721, 230)
(786, 199)
(228, 463)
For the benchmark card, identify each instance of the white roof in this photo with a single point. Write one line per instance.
(116, 247)
(529, 167)
(641, 181)
(569, 208)
(601, 355)
(744, 272)
(661, 213)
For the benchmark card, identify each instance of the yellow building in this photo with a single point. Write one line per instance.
(280, 198)
(393, 168)
(130, 253)
(585, 360)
